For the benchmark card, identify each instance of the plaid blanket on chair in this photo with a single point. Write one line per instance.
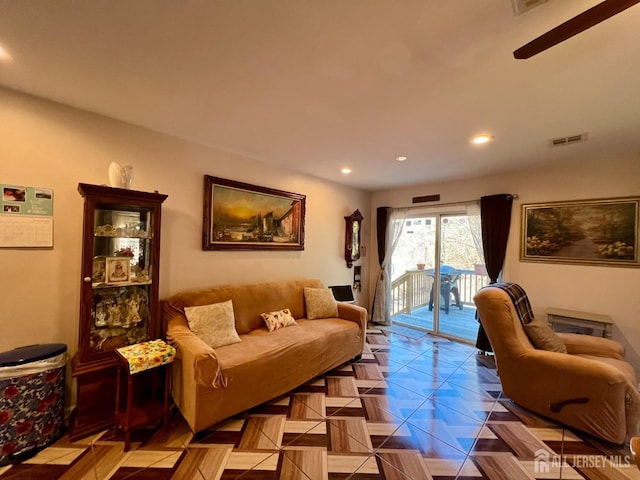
(519, 298)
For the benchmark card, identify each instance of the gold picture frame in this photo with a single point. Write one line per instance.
(240, 216)
(582, 232)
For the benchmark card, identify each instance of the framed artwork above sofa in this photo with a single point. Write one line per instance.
(240, 216)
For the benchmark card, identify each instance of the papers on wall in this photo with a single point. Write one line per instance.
(26, 216)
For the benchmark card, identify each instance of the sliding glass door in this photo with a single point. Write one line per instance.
(437, 267)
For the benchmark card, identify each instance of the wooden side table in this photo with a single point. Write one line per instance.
(599, 324)
(135, 360)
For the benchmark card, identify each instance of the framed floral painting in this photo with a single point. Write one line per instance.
(591, 232)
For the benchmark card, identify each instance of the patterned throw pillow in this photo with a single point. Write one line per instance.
(214, 324)
(320, 303)
(279, 319)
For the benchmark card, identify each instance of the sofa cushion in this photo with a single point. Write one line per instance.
(320, 303)
(214, 324)
(543, 337)
(301, 347)
(279, 319)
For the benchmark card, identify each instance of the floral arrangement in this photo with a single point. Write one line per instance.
(538, 246)
(124, 252)
(616, 250)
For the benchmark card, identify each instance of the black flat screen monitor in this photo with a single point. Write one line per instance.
(342, 293)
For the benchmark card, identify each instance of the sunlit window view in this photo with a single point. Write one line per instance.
(448, 244)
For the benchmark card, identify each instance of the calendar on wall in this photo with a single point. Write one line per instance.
(26, 216)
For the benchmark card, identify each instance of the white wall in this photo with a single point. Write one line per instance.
(613, 291)
(45, 144)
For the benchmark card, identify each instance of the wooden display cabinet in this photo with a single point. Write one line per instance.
(118, 292)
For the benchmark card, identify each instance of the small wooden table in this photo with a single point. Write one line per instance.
(559, 317)
(135, 360)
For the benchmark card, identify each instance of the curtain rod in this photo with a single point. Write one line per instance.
(513, 196)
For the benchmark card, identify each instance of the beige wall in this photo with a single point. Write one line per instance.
(605, 290)
(48, 145)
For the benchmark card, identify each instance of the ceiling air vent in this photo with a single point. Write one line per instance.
(521, 6)
(557, 142)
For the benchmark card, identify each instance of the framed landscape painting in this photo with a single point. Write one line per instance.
(240, 216)
(592, 232)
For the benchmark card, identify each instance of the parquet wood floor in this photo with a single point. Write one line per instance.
(414, 407)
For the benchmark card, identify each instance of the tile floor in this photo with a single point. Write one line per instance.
(415, 407)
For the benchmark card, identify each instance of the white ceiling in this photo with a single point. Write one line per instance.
(314, 85)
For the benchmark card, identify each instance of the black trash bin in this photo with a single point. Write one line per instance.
(32, 381)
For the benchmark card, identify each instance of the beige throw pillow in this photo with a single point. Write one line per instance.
(543, 337)
(214, 324)
(279, 319)
(320, 303)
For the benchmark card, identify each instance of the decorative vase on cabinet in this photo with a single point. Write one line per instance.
(118, 294)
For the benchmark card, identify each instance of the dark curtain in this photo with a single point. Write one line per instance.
(495, 214)
(382, 218)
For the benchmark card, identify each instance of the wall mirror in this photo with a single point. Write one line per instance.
(352, 237)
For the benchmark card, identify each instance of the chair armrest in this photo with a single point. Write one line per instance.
(354, 313)
(556, 370)
(200, 365)
(553, 378)
(587, 345)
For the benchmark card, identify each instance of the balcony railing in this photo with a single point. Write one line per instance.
(412, 289)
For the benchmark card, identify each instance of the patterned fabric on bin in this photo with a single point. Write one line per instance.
(31, 412)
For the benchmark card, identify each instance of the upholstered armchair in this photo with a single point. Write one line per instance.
(590, 387)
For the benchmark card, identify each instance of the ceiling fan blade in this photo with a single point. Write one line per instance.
(577, 24)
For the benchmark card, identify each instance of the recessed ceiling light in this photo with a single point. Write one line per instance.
(480, 139)
(401, 159)
(346, 170)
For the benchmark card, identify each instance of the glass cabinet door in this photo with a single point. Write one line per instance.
(121, 277)
(120, 265)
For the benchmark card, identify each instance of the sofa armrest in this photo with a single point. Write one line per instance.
(199, 362)
(587, 345)
(354, 313)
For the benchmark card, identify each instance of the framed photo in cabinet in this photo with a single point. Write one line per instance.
(118, 269)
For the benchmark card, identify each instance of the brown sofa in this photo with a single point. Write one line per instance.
(590, 388)
(212, 385)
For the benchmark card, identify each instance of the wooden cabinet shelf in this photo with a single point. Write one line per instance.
(123, 284)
